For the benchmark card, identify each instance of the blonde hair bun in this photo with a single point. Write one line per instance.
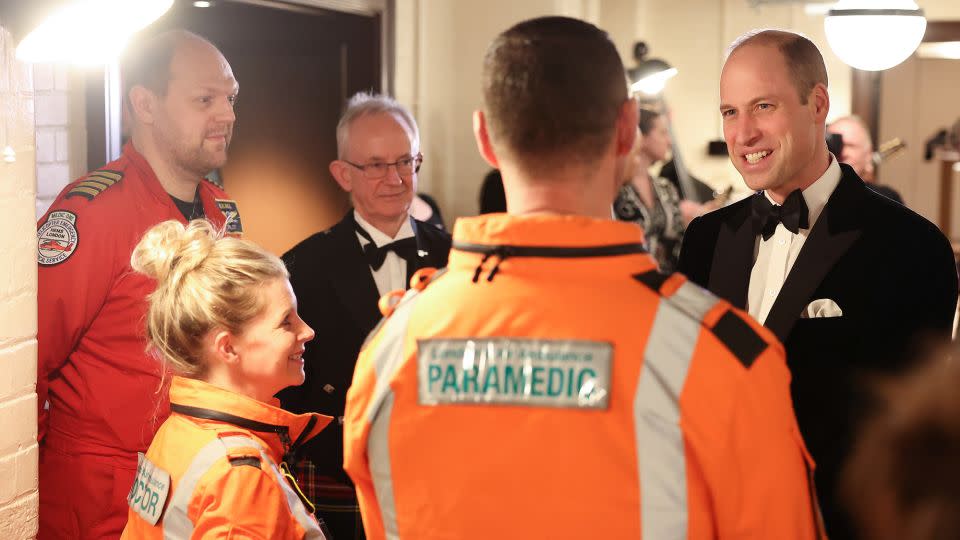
(169, 250)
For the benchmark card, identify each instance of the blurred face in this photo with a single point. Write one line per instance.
(270, 348)
(857, 149)
(193, 122)
(378, 138)
(632, 160)
(773, 138)
(656, 143)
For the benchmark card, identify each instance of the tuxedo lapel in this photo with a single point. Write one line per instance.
(354, 283)
(422, 252)
(836, 230)
(733, 257)
(431, 249)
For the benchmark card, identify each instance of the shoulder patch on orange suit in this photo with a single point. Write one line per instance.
(735, 334)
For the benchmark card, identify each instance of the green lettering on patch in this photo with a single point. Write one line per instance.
(435, 374)
(514, 371)
(512, 381)
(150, 489)
(450, 379)
(491, 382)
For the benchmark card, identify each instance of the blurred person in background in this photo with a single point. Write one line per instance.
(652, 203)
(903, 480)
(857, 152)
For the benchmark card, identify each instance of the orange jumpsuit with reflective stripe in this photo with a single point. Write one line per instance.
(552, 384)
(239, 491)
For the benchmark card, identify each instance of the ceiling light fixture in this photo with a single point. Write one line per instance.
(651, 74)
(874, 35)
(89, 31)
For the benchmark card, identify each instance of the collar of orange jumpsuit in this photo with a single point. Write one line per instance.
(543, 238)
(545, 229)
(194, 393)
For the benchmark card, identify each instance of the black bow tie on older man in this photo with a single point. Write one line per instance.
(793, 214)
(406, 248)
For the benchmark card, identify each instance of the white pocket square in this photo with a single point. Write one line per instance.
(821, 308)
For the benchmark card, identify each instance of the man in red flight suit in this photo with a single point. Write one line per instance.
(100, 395)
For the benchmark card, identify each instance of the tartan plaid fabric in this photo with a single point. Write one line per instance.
(324, 490)
(336, 502)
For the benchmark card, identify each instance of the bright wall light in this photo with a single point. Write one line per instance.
(202, 3)
(949, 50)
(89, 31)
(652, 85)
(874, 35)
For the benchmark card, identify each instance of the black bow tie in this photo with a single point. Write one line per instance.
(793, 214)
(406, 248)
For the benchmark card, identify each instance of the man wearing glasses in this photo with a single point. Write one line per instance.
(340, 274)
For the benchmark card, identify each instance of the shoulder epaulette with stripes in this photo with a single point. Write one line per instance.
(95, 183)
(734, 332)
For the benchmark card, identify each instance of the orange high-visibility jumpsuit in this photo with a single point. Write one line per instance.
(552, 384)
(212, 470)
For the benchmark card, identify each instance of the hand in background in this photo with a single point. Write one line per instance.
(692, 209)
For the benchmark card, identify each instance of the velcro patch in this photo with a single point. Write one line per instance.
(150, 489)
(514, 371)
(243, 455)
(653, 279)
(245, 460)
(57, 238)
(737, 336)
(232, 213)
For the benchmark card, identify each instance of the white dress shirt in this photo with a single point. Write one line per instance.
(393, 274)
(775, 256)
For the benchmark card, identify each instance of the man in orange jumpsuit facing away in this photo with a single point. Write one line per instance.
(99, 393)
(552, 383)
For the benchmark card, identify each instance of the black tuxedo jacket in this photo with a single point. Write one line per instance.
(337, 297)
(891, 272)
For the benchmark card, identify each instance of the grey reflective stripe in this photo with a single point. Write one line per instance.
(299, 511)
(176, 522)
(411, 293)
(378, 454)
(661, 459)
(388, 359)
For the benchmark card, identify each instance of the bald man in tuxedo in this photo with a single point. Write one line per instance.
(853, 283)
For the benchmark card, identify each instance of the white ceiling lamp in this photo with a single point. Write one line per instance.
(89, 31)
(874, 35)
(651, 74)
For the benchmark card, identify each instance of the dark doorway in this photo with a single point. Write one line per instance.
(296, 67)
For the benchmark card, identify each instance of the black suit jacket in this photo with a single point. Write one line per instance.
(891, 272)
(337, 297)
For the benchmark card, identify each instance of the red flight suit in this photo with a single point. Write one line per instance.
(104, 391)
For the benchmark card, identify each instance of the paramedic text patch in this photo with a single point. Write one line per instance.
(514, 371)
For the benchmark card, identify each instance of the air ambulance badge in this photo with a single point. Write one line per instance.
(57, 238)
(230, 211)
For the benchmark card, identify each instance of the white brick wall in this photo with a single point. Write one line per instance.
(18, 299)
(60, 130)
